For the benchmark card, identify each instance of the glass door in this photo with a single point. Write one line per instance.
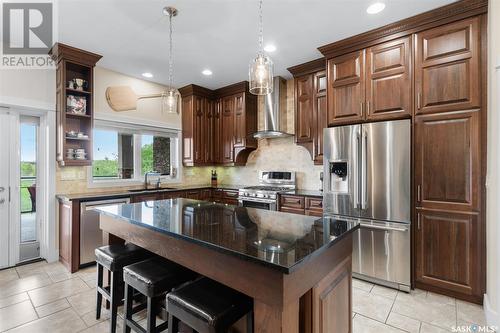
(28, 188)
(4, 189)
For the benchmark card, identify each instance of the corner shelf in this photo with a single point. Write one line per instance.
(73, 63)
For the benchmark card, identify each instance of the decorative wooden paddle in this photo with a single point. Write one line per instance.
(123, 98)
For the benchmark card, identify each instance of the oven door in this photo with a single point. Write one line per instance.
(256, 203)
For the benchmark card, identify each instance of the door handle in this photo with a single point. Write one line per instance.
(356, 170)
(380, 227)
(364, 147)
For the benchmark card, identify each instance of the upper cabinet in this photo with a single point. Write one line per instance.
(217, 126)
(371, 84)
(346, 88)
(447, 67)
(310, 106)
(388, 80)
(74, 88)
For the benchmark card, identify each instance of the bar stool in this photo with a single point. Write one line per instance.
(207, 307)
(114, 258)
(152, 278)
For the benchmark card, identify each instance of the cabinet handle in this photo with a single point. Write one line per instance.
(418, 221)
(418, 193)
(419, 97)
(361, 107)
(368, 107)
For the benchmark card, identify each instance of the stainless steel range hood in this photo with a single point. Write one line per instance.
(275, 112)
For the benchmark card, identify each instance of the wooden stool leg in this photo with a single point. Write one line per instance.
(99, 296)
(109, 284)
(129, 296)
(173, 324)
(115, 300)
(151, 328)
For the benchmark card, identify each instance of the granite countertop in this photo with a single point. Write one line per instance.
(275, 239)
(127, 193)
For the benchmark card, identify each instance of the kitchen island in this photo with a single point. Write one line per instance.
(296, 268)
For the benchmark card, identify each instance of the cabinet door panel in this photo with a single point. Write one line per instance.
(447, 160)
(187, 131)
(447, 67)
(239, 120)
(199, 130)
(447, 250)
(304, 113)
(218, 132)
(346, 88)
(320, 121)
(388, 80)
(210, 132)
(227, 130)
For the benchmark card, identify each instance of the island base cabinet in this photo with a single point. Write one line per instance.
(332, 301)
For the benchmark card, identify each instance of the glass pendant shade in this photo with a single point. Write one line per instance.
(169, 102)
(261, 75)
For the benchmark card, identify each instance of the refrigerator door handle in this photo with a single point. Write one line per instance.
(364, 146)
(355, 167)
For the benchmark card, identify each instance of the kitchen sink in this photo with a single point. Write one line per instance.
(151, 189)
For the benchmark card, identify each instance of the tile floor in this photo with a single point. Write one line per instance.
(42, 297)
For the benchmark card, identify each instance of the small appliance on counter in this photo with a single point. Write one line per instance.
(214, 178)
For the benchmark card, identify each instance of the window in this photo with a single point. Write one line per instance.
(126, 153)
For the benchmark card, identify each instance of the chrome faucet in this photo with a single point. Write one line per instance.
(152, 173)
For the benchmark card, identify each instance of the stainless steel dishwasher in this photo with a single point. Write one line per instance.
(90, 233)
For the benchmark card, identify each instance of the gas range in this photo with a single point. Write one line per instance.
(265, 195)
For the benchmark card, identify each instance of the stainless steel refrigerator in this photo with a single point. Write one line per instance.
(367, 178)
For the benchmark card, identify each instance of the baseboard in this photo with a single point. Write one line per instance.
(492, 318)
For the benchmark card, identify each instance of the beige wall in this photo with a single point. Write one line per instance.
(74, 179)
(274, 154)
(28, 87)
(492, 301)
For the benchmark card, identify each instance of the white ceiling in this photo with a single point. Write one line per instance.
(132, 35)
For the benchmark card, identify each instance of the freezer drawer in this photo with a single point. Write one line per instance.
(381, 251)
(90, 233)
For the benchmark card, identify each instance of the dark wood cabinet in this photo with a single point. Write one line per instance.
(448, 247)
(310, 106)
(218, 125)
(447, 74)
(388, 80)
(228, 130)
(73, 63)
(303, 205)
(346, 88)
(319, 115)
(304, 86)
(448, 160)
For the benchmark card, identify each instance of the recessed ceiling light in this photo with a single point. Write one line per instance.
(147, 74)
(375, 8)
(206, 72)
(270, 48)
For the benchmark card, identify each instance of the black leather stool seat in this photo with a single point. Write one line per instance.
(208, 306)
(115, 257)
(156, 276)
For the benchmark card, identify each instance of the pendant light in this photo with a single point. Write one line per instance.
(170, 98)
(260, 70)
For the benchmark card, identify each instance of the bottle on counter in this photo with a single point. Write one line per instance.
(214, 178)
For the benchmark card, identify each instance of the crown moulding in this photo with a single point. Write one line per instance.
(308, 67)
(442, 15)
(194, 89)
(62, 51)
